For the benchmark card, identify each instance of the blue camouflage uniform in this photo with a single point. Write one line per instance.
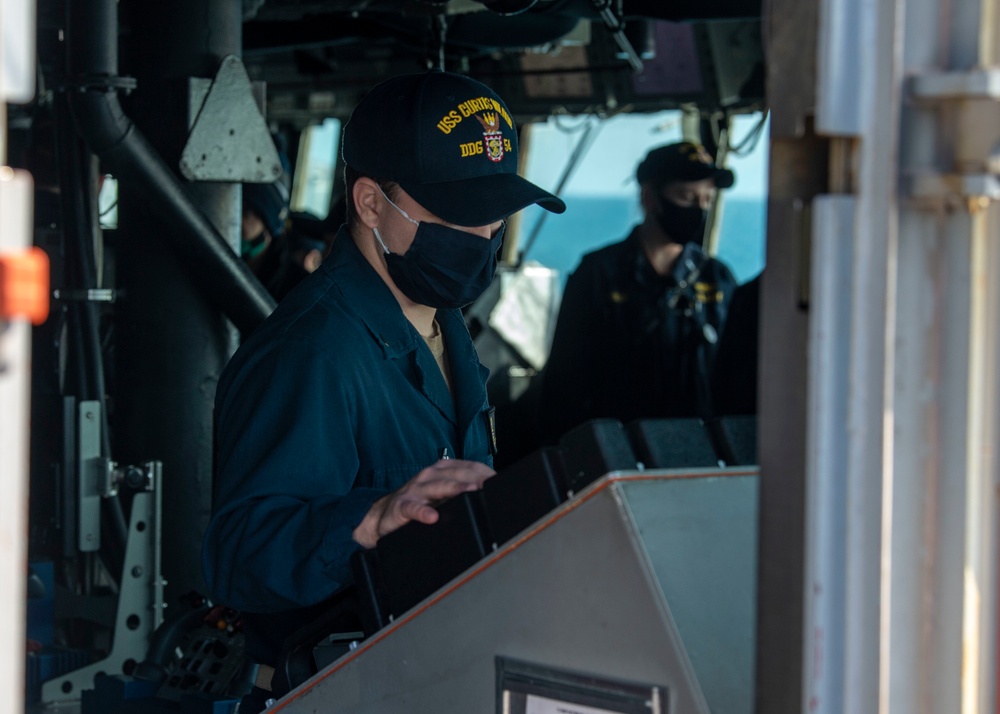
(333, 402)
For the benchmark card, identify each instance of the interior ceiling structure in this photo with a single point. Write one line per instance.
(315, 58)
(542, 56)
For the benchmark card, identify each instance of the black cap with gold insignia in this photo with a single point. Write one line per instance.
(684, 161)
(449, 141)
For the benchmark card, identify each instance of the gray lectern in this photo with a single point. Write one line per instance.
(636, 595)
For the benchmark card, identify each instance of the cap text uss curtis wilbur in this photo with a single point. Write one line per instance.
(470, 107)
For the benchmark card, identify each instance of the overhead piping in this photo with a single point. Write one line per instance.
(616, 27)
(92, 49)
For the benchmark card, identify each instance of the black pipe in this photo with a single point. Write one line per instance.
(178, 274)
(78, 229)
(225, 279)
(78, 378)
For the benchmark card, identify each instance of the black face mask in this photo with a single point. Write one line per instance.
(444, 267)
(683, 224)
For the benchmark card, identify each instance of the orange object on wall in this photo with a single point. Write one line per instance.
(24, 285)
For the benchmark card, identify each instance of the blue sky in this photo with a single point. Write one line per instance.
(620, 143)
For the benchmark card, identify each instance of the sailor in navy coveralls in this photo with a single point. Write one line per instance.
(360, 402)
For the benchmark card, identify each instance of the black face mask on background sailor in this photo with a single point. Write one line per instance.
(683, 224)
(444, 267)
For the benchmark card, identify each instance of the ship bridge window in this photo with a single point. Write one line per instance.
(315, 167)
(591, 163)
(107, 202)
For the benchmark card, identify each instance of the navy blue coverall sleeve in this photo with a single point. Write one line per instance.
(286, 471)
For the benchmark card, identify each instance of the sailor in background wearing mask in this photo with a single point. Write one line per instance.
(360, 403)
(640, 319)
(262, 228)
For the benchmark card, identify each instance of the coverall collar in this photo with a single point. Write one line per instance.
(377, 308)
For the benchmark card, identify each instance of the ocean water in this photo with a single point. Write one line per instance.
(591, 222)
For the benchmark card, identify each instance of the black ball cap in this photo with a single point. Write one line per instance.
(684, 161)
(449, 141)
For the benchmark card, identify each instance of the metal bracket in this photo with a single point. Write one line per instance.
(140, 599)
(101, 83)
(99, 477)
(92, 476)
(229, 139)
(974, 84)
(91, 295)
(977, 187)
(132, 478)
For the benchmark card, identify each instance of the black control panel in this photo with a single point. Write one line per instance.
(413, 562)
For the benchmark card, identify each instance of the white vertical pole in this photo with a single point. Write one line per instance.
(979, 598)
(851, 355)
(17, 85)
(826, 487)
(15, 358)
(939, 605)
